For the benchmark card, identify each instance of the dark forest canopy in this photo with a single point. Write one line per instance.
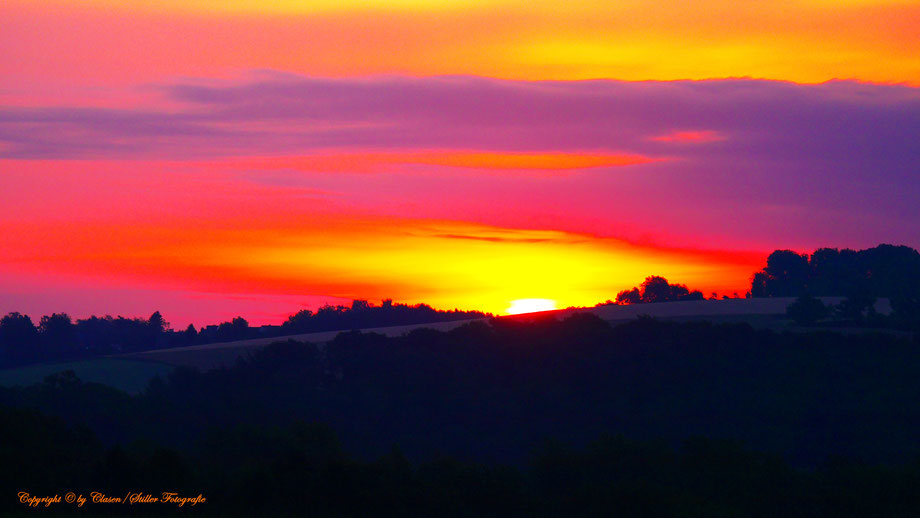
(57, 337)
(302, 469)
(805, 395)
(493, 393)
(883, 271)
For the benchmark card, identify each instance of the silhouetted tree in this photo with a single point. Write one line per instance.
(191, 334)
(786, 273)
(834, 272)
(97, 335)
(157, 323)
(237, 329)
(360, 305)
(19, 340)
(856, 305)
(655, 289)
(694, 295)
(891, 270)
(906, 310)
(299, 322)
(806, 310)
(629, 296)
(59, 336)
(680, 292)
(760, 286)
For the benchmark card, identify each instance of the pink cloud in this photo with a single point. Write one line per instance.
(690, 137)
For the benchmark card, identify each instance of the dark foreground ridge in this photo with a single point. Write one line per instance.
(544, 418)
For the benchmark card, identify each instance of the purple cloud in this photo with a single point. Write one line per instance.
(838, 162)
(287, 113)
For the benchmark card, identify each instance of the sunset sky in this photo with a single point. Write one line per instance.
(214, 158)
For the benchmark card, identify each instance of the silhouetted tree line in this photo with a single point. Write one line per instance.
(657, 289)
(883, 271)
(363, 314)
(302, 469)
(58, 338)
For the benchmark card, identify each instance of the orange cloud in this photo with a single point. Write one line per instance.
(350, 162)
(690, 136)
(532, 161)
(166, 228)
(409, 260)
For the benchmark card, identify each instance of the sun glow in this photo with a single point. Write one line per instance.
(520, 306)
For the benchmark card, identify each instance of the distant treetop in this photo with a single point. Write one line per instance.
(657, 289)
(883, 271)
(363, 314)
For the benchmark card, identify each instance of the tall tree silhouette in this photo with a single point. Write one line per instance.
(786, 273)
(19, 340)
(59, 335)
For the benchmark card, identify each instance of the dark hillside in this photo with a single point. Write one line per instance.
(493, 391)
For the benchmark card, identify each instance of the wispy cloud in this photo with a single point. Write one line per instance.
(845, 151)
(288, 114)
(700, 137)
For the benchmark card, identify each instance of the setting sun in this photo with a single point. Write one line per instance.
(520, 306)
